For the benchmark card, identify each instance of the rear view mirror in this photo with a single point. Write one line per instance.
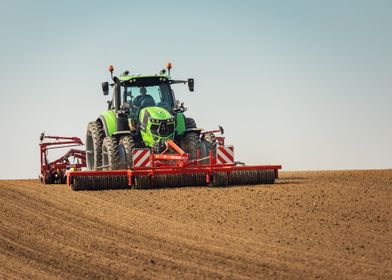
(105, 88)
(191, 84)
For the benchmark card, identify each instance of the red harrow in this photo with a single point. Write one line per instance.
(174, 168)
(55, 172)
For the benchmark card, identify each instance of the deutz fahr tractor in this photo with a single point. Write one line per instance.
(143, 113)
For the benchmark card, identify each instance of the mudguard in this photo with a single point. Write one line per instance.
(108, 120)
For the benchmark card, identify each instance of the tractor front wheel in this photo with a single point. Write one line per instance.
(208, 144)
(191, 144)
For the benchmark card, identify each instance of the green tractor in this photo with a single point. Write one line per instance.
(143, 113)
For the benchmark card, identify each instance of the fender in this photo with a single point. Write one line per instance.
(197, 130)
(108, 120)
(180, 124)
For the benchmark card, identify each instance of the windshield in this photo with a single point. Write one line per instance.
(146, 96)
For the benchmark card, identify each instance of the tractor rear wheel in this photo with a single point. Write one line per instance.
(191, 144)
(94, 139)
(126, 144)
(208, 144)
(190, 123)
(110, 155)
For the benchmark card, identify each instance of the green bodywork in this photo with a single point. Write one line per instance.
(156, 125)
(180, 121)
(109, 121)
(149, 118)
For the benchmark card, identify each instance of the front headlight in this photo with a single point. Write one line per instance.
(154, 120)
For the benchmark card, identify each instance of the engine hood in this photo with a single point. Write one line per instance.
(156, 113)
(157, 125)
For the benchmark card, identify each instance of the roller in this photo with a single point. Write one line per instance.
(169, 181)
(99, 182)
(252, 177)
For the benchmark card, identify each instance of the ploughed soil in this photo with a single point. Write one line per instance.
(324, 225)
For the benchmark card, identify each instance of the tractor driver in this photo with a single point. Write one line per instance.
(144, 99)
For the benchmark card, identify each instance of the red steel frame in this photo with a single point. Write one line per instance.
(61, 164)
(178, 163)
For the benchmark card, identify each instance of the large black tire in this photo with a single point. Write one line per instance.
(126, 144)
(110, 155)
(208, 144)
(190, 123)
(190, 144)
(94, 138)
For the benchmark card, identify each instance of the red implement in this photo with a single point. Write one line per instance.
(174, 168)
(55, 172)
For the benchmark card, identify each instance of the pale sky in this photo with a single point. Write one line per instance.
(305, 84)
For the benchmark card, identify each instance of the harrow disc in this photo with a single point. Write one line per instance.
(252, 177)
(99, 182)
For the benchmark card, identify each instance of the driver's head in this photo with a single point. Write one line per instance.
(143, 91)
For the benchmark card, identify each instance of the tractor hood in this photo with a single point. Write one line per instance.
(157, 126)
(156, 113)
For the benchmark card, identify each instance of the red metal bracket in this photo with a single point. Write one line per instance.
(55, 171)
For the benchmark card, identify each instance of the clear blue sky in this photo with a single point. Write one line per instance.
(306, 84)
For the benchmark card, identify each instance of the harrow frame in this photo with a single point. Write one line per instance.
(54, 172)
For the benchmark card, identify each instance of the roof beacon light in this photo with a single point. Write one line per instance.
(169, 67)
(111, 69)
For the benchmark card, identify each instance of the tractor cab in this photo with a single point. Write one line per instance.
(138, 92)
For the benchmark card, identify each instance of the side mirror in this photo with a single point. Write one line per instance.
(105, 88)
(191, 84)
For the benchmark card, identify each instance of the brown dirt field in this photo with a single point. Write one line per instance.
(324, 225)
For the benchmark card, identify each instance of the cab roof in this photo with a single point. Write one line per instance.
(135, 78)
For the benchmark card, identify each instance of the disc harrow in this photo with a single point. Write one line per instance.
(173, 169)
